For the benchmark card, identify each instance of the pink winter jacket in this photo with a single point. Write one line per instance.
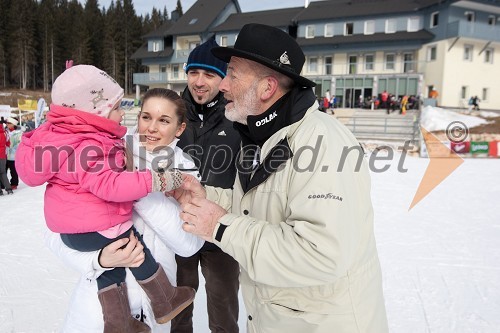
(81, 157)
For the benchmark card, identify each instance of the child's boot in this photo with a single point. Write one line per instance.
(167, 301)
(116, 311)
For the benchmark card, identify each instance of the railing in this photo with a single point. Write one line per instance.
(150, 78)
(475, 30)
(399, 128)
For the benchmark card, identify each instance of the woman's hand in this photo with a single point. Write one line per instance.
(113, 255)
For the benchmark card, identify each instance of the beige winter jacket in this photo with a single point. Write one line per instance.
(304, 236)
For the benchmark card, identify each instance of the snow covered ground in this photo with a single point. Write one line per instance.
(440, 261)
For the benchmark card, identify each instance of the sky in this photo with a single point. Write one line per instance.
(143, 7)
(440, 261)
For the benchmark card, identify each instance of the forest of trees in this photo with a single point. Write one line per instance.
(38, 36)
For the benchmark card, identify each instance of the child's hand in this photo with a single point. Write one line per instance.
(113, 255)
(167, 180)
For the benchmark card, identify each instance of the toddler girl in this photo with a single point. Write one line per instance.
(89, 197)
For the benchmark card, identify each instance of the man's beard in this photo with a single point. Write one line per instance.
(248, 105)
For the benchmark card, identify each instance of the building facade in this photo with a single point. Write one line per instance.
(357, 48)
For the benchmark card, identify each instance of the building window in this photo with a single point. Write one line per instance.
(163, 68)
(353, 64)
(390, 26)
(463, 92)
(408, 63)
(488, 56)
(434, 19)
(348, 29)
(492, 20)
(390, 59)
(485, 94)
(413, 24)
(468, 49)
(432, 53)
(193, 45)
(312, 65)
(156, 46)
(469, 16)
(329, 30)
(310, 31)
(328, 65)
(369, 27)
(369, 62)
(175, 71)
(223, 41)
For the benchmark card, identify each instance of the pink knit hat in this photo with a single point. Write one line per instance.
(86, 88)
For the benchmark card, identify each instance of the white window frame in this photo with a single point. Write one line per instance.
(312, 61)
(175, 71)
(329, 30)
(388, 28)
(369, 28)
(429, 53)
(346, 28)
(393, 62)
(488, 59)
(223, 41)
(468, 52)
(310, 31)
(411, 63)
(433, 15)
(372, 62)
(156, 46)
(413, 23)
(330, 65)
(352, 66)
(470, 14)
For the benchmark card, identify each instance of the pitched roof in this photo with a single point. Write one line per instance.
(276, 17)
(199, 17)
(143, 53)
(161, 31)
(421, 35)
(332, 9)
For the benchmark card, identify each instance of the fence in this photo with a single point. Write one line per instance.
(376, 125)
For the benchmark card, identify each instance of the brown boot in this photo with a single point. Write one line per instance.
(116, 311)
(167, 301)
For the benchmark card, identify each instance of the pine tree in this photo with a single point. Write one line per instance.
(21, 42)
(94, 26)
(179, 8)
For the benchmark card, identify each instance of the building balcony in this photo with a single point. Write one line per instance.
(474, 30)
(148, 79)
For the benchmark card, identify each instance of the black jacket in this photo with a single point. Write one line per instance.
(213, 143)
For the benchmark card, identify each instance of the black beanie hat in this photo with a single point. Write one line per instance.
(202, 57)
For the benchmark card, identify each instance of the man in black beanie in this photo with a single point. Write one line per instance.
(213, 143)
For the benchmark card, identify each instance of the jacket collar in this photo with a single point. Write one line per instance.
(211, 111)
(289, 109)
(293, 107)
